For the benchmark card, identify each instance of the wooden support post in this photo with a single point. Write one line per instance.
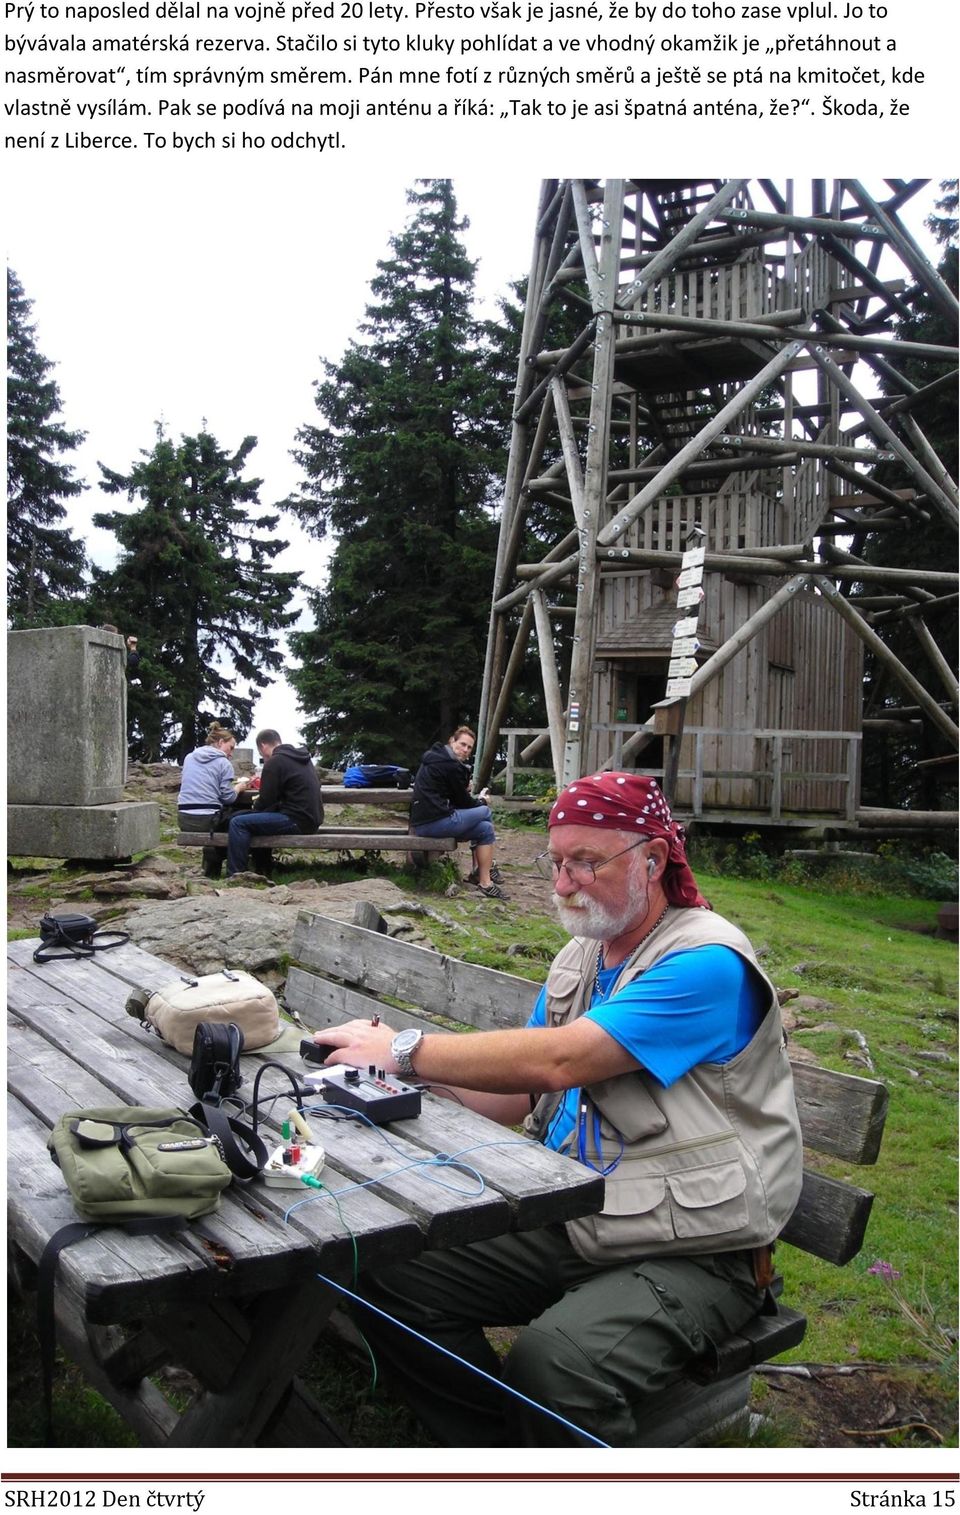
(900, 239)
(876, 644)
(568, 442)
(588, 250)
(580, 692)
(879, 427)
(551, 682)
(492, 669)
(514, 663)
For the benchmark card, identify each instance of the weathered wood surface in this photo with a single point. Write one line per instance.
(432, 981)
(329, 839)
(72, 1043)
(840, 1115)
(235, 1296)
(387, 799)
(830, 1219)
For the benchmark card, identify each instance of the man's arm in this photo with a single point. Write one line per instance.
(268, 797)
(494, 1062)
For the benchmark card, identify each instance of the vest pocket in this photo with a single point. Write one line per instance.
(708, 1201)
(688, 1198)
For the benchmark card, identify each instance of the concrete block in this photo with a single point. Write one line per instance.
(66, 717)
(82, 831)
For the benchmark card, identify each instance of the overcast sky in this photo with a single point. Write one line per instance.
(186, 299)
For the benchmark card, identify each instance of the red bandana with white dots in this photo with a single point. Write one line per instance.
(631, 802)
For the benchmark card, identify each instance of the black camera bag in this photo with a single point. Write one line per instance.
(215, 1065)
(77, 933)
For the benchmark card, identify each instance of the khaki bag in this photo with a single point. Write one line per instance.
(176, 1010)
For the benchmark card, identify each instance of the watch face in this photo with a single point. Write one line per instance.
(405, 1041)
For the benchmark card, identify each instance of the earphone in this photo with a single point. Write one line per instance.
(651, 867)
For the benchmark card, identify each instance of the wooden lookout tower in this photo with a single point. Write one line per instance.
(710, 395)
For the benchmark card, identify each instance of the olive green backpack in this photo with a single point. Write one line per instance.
(148, 1170)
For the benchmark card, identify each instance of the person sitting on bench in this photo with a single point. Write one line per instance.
(207, 794)
(289, 799)
(442, 805)
(656, 1056)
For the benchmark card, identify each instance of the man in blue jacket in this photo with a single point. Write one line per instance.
(289, 799)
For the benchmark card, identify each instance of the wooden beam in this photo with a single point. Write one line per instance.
(903, 675)
(551, 682)
(915, 259)
(885, 433)
(664, 260)
(580, 686)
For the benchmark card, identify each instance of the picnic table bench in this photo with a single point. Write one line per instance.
(341, 972)
(339, 838)
(239, 1297)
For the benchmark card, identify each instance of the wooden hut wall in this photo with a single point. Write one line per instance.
(776, 682)
(815, 665)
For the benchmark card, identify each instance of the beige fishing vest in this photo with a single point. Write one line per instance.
(712, 1164)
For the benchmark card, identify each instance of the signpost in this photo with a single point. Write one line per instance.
(683, 662)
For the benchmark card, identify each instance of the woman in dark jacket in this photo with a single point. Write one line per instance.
(443, 806)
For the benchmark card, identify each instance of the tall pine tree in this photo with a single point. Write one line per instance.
(194, 583)
(401, 470)
(45, 563)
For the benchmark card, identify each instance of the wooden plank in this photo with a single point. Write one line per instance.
(840, 1114)
(330, 839)
(321, 1002)
(338, 794)
(830, 1219)
(431, 980)
(522, 1170)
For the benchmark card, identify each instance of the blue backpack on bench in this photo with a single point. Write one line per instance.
(377, 776)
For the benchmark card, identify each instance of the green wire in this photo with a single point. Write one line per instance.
(356, 1277)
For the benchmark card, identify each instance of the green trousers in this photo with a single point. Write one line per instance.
(598, 1345)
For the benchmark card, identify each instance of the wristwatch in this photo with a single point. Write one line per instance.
(402, 1048)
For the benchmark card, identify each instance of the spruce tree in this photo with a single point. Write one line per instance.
(401, 469)
(45, 563)
(194, 583)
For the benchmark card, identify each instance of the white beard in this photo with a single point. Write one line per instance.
(587, 917)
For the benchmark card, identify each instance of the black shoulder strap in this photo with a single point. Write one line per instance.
(46, 954)
(230, 1132)
(46, 1275)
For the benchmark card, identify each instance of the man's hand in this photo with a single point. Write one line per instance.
(359, 1044)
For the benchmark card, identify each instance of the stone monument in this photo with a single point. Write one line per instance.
(67, 748)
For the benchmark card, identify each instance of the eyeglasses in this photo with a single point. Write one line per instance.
(577, 872)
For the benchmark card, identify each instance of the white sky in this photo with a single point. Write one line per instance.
(185, 298)
(159, 310)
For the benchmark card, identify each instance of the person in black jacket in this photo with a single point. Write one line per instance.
(442, 805)
(289, 799)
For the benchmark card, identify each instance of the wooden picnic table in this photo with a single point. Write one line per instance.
(238, 1298)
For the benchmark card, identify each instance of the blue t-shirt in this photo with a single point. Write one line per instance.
(695, 1005)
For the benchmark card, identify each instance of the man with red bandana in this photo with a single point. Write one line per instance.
(654, 1055)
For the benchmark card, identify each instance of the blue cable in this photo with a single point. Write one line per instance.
(481, 1372)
